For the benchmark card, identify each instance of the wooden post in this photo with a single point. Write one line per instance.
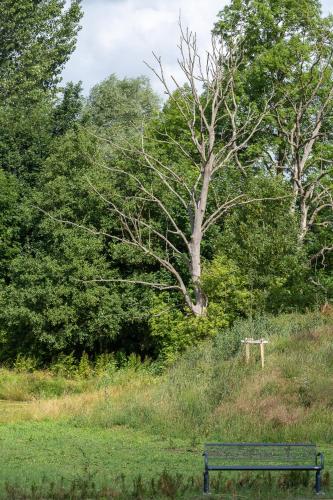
(247, 352)
(262, 353)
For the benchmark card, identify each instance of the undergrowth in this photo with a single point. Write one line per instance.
(66, 375)
(174, 486)
(210, 393)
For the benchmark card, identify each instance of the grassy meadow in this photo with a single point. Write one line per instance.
(100, 431)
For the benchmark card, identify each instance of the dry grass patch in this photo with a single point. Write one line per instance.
(70, 405)
(65, 406)
(277, 412)
(54, 409)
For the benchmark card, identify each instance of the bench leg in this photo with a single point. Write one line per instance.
(317, 481)
(206, 482)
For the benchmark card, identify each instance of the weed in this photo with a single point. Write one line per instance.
(169, 486)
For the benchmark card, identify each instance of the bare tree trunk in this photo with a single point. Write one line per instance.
(304, 209)
(200, 304)
(199, 308)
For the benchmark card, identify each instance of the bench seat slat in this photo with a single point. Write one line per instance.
(263, 467)
(261, 460)
(271, 454)
(263, 446)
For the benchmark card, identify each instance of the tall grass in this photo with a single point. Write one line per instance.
(25, 386)
(173, 486)
(211, 393)
(65, 376)
(67, 388)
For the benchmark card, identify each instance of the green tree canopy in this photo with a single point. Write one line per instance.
(36, 40)
(122, 105)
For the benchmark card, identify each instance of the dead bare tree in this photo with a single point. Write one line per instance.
(304, 122)
(207, 103)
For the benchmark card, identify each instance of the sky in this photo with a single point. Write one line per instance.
(117, 36)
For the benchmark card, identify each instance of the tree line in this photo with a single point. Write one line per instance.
(132, 225)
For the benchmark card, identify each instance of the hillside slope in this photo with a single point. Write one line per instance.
(212, 394)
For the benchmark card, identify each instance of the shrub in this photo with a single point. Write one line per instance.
(105, 364)
(174, 330)
(84, 368)
(25, 363)
(64, 366)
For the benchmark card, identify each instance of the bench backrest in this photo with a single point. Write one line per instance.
(260, 454)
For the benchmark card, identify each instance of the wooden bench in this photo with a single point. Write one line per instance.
(262, 456)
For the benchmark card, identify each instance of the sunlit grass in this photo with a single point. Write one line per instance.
(161, 421)
(208, 396)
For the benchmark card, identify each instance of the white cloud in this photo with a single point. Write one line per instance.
(118, 35)
(327, 6)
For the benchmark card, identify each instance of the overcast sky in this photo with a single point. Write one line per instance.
(118, 35)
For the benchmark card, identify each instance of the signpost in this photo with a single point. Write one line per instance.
(248, 341)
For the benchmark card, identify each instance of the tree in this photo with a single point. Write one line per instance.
(262, 239)
(50, 303)
(289, 44)
(168, 225)
(36, 40)
(9, 222)
(68, 111)
(46, 307)
(26, 132)
(119, 106)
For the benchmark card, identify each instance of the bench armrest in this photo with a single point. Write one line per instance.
(321, 456)
(205, 454)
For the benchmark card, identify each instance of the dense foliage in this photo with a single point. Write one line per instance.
(69, 280)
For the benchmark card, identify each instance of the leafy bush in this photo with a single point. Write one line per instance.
(229, 298)
(84, 369)
(65, 365)
(25, 363)
(105, 363)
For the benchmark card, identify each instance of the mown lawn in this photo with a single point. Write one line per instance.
(32, 452)
(42, 453)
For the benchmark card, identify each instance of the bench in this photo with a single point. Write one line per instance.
(262, 457)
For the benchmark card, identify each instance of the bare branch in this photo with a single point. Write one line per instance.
(228, 205)
(158, 286)
(154, 199)
(321, 254)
